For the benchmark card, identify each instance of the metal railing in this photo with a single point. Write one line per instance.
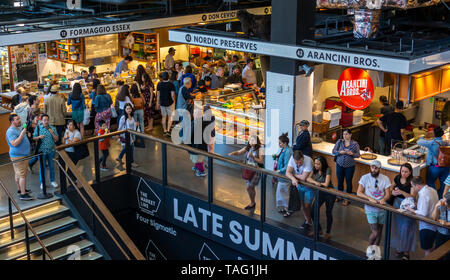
(264, 174)
(27, 226)
(65, 161)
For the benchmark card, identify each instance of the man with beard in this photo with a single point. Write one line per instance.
(375, 188)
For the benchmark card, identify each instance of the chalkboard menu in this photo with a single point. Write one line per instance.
(27, 71)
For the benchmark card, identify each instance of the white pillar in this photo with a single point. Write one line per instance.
(289, 99)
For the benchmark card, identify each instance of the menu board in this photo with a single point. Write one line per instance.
(26, 55)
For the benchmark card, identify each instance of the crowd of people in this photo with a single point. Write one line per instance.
(136, 105)
(406, 192)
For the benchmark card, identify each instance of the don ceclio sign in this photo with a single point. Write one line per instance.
(355, 88)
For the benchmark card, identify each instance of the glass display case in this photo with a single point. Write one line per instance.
(238, 115)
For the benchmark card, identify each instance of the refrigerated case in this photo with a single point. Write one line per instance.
(238, 115)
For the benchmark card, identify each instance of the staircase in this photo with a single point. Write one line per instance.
(56, 228)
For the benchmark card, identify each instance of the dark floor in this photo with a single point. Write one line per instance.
(350, 226)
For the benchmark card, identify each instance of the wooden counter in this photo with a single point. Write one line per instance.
(363, 166)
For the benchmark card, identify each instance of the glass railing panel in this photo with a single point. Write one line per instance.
(181, 173)
(231, 189)
(148, 157)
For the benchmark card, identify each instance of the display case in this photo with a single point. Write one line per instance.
(238, 115)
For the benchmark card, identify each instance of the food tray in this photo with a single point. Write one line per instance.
(396, 162)
(368, 156)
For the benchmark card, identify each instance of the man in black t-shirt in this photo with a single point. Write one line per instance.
(384, 110)
(165, 99)
(395, 126)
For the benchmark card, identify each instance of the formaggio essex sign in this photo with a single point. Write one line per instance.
(307, 53)
(97, 30)
(103, 29)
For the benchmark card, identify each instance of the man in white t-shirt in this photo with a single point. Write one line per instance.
(427, 198)
(299, 168)
(248, 75)
(375, 188)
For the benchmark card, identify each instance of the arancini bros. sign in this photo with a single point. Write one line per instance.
(355, 88)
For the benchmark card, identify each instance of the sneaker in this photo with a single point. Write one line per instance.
(168, 134)
(305, 226)
(200, 174)
(104, 169)
(26, 197)
(54, 184)
(26, 191)
(133, 164)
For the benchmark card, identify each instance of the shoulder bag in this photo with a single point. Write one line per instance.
(38, 142)
(247, 174)
(275, 164)
(443, 158)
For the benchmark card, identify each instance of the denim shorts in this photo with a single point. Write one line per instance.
(376, 217)
(306, 194)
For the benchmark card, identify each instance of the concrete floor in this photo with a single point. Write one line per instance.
(350, 225)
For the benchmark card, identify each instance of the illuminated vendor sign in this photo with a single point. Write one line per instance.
(313, 54)
(355, 88)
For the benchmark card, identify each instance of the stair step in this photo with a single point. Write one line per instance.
(33, 216)
(5, 219)
(21, 251)
(91, 256)
(63, 252)
(5, 238)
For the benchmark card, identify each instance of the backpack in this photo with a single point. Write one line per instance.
(443, 158)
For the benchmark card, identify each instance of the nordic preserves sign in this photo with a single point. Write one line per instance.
(355, 88)
(313, 54)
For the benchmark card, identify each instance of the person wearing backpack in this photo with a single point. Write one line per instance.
(435, 171)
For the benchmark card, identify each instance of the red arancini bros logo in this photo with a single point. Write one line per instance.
(355, 88)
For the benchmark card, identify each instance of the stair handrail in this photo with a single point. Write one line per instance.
(26, 221)
(100, 206)
(440, 252)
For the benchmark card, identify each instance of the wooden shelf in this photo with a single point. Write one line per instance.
(58, 51)
(140, 39)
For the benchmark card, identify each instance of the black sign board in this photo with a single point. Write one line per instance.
(27, 72)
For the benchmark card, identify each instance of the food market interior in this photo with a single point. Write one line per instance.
(336, 67)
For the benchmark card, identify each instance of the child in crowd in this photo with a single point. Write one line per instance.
(103, 145)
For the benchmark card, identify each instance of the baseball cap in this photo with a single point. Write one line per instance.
(172, 49)
(303, 123)
(376, 163)
(54, 88)
(205, 66)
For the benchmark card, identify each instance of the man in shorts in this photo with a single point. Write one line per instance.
(427, 198)
(19, 148)
(165, 100)
(375, 188)
(299, 167)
